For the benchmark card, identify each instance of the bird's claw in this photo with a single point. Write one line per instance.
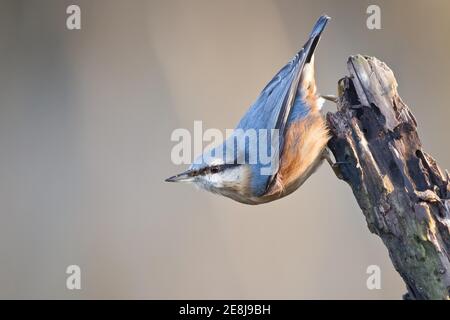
(335, 165)
(331, 98)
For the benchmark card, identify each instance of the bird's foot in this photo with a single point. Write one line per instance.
(331, 98)
(335, 165)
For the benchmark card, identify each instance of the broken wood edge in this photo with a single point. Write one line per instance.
(401, 190)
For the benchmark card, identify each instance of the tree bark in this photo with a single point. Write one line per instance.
(400, 189)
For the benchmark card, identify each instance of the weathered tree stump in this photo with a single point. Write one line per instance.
(402, 192)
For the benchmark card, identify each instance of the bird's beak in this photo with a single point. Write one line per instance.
(187, 176)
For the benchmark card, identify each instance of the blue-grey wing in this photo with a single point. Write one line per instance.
(276, 101)
(268, 110)
(272, 108)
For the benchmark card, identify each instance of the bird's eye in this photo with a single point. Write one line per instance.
(214, 169)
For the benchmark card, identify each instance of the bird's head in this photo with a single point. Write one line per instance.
(217, 176)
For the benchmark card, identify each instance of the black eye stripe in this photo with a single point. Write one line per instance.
(214, 169)
(217, 168)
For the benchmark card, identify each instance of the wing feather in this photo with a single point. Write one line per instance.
(273, 106)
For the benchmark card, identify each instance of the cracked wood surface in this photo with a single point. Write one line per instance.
(401, 190)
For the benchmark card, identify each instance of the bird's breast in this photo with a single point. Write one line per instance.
(305, 141)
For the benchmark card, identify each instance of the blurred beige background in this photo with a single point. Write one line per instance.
(85, 124)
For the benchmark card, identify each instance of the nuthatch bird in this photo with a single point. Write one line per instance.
(289, 104)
